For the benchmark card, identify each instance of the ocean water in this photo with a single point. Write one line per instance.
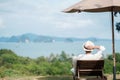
(35, 50)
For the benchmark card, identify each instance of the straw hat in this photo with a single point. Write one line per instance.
(86, 44)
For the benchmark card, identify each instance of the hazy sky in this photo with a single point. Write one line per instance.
(45, 17)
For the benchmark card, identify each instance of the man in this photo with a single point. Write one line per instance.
(88, 47)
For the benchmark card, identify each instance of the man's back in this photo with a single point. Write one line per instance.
(88, 47)
(90, 57)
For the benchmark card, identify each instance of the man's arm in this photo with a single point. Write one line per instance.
(99, 54)
(102, 48)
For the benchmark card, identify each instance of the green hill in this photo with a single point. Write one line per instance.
(60, 64)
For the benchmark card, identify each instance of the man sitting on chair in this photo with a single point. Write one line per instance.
(88, 47)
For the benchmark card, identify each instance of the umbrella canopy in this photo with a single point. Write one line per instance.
(94, 6)
(99, 6)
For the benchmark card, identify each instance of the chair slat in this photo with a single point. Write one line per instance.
(89, 68)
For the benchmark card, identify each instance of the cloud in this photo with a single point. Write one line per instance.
(45, 17)
(1, 23)
(73, 24)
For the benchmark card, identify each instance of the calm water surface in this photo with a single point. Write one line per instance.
(34, 50)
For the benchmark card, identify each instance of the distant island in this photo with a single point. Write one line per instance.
(29, 37)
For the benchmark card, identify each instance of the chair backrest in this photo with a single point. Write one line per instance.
(90, 67)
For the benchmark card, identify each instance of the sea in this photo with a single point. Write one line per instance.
(34, 50)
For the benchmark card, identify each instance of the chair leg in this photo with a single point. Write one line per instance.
(73, 77)
(76, 78)
(104, 78)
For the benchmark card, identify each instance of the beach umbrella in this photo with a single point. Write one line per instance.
(99, 6)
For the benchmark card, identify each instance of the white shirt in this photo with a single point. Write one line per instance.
(90, 56)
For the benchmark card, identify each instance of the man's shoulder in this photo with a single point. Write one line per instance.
(80, 55)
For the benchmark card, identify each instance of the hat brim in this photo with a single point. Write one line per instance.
(87, 49)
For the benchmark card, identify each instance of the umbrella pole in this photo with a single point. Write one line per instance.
(113, 47)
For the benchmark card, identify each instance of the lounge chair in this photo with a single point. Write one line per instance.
(89, 68)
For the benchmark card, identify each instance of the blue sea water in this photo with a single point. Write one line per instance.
(35, 50)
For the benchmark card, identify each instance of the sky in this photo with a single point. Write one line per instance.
(45, 17)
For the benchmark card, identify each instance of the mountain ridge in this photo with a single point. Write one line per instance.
(30, 37)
